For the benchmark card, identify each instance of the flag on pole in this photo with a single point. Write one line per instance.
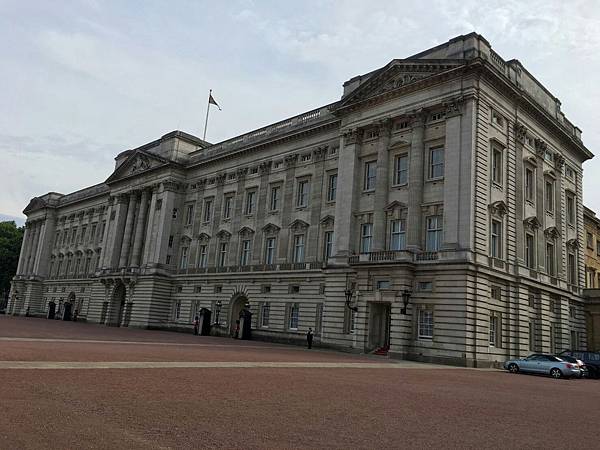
(212, 101)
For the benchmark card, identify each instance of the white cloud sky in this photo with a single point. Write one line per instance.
(86, 80)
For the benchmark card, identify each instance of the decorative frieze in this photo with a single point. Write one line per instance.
(520, 132)
(353, 136)
(454, 107)
(540, 147)
(498, 208)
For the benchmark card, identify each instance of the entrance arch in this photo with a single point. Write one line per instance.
(117, 305)
(68, 306)
(236, 306)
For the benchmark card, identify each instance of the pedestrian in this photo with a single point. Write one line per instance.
(236, 335)
(196, 325)
(309, 337)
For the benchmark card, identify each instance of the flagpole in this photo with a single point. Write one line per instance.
(207, 110)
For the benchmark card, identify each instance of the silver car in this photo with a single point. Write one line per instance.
(544, 364)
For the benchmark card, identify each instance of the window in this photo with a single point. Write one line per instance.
(270, 250)
(497, 165)
(189, 214)
(549, 156)
(223, 249)
(434, 233)
(383, 284)
(370, 175)
(552, 338)
(569, 173)
(549, 195)
(302, 194)
(319, 318)
(550, 259)
(493, 337)
(332, 187)
(265, 289)
(529, 184)
(497, 119)
(184, 258)
(425, 324)
(207, 210)
(327, 245)
(102, 231)
(570, 209)
(245, 253)
(496, 292)
(73, 235)
(171, 241)
(589, 240)
(250, 202)
(299, 248)
(293, 317)
(93, 233)
(82, 237)
(174, 215)
(306, 157)
(574, 340)
(529, 251)
(571, 269)
(294, 289)
(436, 162)
(168, 260)
(177, 309)
(496, 239)
(366, 237)
(401, 169)
(227, 206)
(265, 311)
(398, 234)
(598, 247)
(274, 200)
(202, 256)
(425, 286)
(218, 289)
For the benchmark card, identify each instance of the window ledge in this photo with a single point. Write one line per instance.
(433, 180)
(368, 191)
(400, 185)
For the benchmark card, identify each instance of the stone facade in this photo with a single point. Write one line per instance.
(592, 278)
(435, 210)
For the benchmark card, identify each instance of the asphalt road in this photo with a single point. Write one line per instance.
(231, 400)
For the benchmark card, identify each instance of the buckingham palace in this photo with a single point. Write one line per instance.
(433, 213)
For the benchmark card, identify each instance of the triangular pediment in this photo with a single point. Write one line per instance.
(298, 225)
(34, 203)
(398, 74)
(138, 162)
(328, 221)
(395, 205)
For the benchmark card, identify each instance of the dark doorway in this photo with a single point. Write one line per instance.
(117, 305)
(379, 326)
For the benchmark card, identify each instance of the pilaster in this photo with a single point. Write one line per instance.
(382, 186)
(415, 182)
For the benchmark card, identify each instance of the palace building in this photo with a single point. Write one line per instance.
(434, 213)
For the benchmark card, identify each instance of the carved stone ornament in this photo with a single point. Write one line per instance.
(353, 136)
(298, 225)
(271, 228)
(141, 162)
(186, 239)
(290, 160)
(327, 221)
(203, 237)
(201, 183)
(246, 232)
(498, 208)
(265, 167)
(573, 244)
(520, 132)
(552, 233)
(532, 223)
(319, 153)
(221, 177)
(454, 106)
(395, 205)
(241, 173)
(559, 161)
(224, 235)
(540, 147)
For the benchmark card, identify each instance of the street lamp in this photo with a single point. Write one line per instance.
(405, 300)
(218, 306)
(349, 294)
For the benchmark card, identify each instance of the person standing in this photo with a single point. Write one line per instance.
(196, 325)
(309, 337)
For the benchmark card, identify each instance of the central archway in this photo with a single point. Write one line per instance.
(236, 306)
(117, 305)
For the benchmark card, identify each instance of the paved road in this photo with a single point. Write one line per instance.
(117, 388)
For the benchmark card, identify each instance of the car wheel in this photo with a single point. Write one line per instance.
(513, 368)
(556, 373)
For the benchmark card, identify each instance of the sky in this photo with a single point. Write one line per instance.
(81, 81)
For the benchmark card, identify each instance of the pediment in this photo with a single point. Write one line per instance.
(270, 228)
(398, 74)
(328, 221)
(224, 235)
(395, 205)
(203, 237)
(138, 162)
(246, 232)
(298, 225)
(34, 203)
(498, 208)
(532, 223)
(552, 232)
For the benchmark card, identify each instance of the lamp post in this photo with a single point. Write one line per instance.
(405, 300)
(349, 294)
(218, 306)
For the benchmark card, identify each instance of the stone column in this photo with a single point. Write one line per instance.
(453, 174)
(149, 238)
(34, 245)
(415, 182)
(346, 196)
(23, 254)
(164, 222)
(123, 259)
(540, 150)
(115, 223)
(139, 232)
(264, 169)
(45, 246)
(382, 186)
(287, 206)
